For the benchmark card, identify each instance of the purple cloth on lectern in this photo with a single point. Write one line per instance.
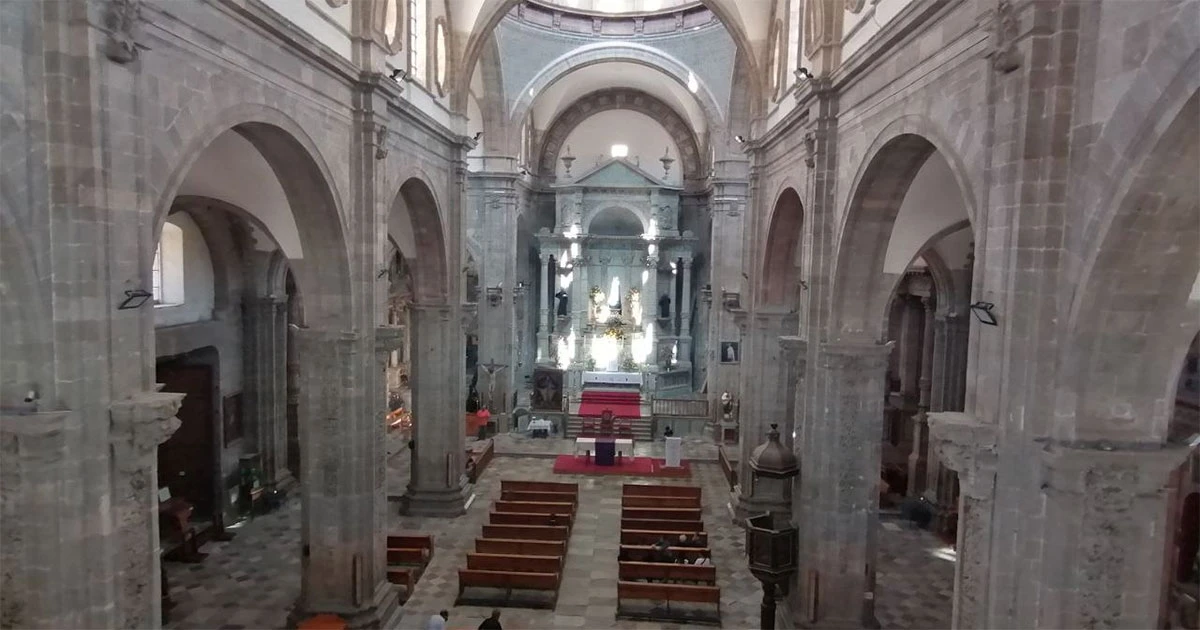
(606, 451)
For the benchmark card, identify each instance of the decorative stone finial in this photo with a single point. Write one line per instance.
(567, 160)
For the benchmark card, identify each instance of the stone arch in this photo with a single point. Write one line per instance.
(1132, 320)
(780, 274)
(618, 213)
(621, 98)
(860, 290)
(948, 291)
(322, 274)
(493, 11)
(229, 232)
(609, 52)
(416, 209)
(26, 347)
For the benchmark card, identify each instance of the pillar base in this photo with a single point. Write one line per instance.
(385, 612)
(448, 502)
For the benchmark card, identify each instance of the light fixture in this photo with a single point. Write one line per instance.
(478, 135)
(983, 313)
(399, 74)
(134, 298)
(740, 139)
(803, 74)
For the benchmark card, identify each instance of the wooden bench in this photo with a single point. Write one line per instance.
(634, 501)
(402, 576)
(527, 532)
(415, 556)
(663, 571)
(515, 563)
(642, 490)
(661, 514)
(530, 507)
(539, 486)
(644, 537)
(642, 553)
(678, 593)
(539, 497)
(521, 547)
(662, 526)
(524, 518)
(507, 580)
(411, 541)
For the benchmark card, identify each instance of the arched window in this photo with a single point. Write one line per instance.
(418, 14)
(167, 271)
(440, 64)
(391, 24)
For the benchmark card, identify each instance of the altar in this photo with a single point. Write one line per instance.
(616, 281)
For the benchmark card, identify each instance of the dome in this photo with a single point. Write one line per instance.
(620, 7)
(773, 459)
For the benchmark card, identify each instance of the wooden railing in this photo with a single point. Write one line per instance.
(680, 378)
(679, 407)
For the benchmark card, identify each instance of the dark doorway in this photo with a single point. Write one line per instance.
(185, 461)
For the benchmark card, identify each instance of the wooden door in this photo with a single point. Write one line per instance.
(185, 462)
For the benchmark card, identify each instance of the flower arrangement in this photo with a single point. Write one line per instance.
(596, 295)
(614, 328)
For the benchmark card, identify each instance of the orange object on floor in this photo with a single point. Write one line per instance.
(323, 622)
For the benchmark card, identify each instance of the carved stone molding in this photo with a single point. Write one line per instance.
(810, 150)
(381, 149)
(852, 355)
(968, 447)
(1093, 467)
(35, 437)
(1005, 27)
(121, 19)
(139, 425)
(795, 350)
(388, 338)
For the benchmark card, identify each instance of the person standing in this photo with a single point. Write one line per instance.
(493, 622)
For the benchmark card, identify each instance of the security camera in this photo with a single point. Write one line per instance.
(740, 139)
(803, 73)
(31, 396)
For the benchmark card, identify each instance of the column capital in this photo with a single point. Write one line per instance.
(794, 348)
(388, 338)
(140, 424)
(37, 435)
(968, 447)
(1081, 467)
(855, 354)
(431, 309)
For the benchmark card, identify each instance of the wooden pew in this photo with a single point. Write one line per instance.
(644, 537)
(539, 497)
(662, 526)
(642, 553)
(642, 490)
(660, 571)
(411, 541)
(402, 576)
(539, 486)
(662, 514)
(634, 501)
(418, 557)
(527, 532)
(520, 547)
(523, 518)
(530, 507)
(518, 564)
(507, 580)
(679, 593)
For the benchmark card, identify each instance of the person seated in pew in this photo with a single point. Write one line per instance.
(662, 552)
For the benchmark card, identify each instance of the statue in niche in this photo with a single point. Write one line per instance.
(635, 306)
(561, 296)
(664, 307)
(728, 407)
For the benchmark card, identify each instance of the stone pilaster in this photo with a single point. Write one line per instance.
(1105, 527)
(839, 498)
(264, 322)
(918, 457)
(968, 447)
(436, 485)
(41, 509)
(947, 382)
(343, 482)
(545, 312)
(685, 317)
(765, 385)
(139, 425)
(728, 202)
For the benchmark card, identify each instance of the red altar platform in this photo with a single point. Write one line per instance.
(593, 403)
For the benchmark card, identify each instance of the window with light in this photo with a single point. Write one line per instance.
(166, 283)
(417, 48)
(439, 56)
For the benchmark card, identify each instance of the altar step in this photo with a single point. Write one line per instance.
(643, 428)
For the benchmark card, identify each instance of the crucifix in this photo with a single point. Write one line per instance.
(491, 367)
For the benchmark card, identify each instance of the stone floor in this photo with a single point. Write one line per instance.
(252, 581)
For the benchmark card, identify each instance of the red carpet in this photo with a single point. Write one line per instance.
(622, 404)
(630, 466)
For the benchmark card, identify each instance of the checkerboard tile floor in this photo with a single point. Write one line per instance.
(252, 581)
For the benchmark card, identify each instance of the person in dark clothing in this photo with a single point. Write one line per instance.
(669, 432)
(493, 622)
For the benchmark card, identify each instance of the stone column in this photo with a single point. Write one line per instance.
(918, 457)
(436, 485)
(685, 317)
(968, 446)
(1105, 529)
(139, 425)
(264, 321)
(546, 314)
(947, 383)
(795, 356)
(838, 511)
(910, 348)
(41, 508)
(343, 481)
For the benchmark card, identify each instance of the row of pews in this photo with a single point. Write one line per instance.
(407, 558)
(651, 515)
(523, 546)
